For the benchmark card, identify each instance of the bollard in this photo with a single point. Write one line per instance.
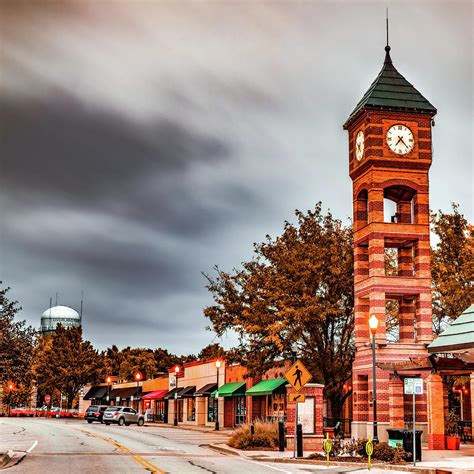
(327, 446)
(281, 436)
(299, 440)
(369, 449)
(252, 429)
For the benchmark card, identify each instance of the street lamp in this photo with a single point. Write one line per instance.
(176, 372)
(138, 376)
(373, 325)
(11, 387)
(218, 364)
(108, 380)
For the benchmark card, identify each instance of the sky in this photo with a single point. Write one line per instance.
(144, 142)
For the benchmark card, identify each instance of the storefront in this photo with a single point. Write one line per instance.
(155, 406)
(205, 405)
(97, 395)
(235, 406)
(268, 400)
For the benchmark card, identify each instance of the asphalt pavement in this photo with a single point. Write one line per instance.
(73, 446)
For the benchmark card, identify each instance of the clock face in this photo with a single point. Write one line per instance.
(359, 145)
(400, 139)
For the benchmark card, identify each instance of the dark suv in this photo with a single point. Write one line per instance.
(95, 413)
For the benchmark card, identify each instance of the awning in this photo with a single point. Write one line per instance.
(206, 390)
(126, 393)
(96, 392)
(233, 389)
(156, 395)
(187, 392)
(267, 387)
(170, 395)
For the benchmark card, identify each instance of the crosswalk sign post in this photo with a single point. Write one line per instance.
(298, 376)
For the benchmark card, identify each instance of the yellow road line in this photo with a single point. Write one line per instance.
(146, 464)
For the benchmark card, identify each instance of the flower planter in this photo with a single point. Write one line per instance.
(453, 442)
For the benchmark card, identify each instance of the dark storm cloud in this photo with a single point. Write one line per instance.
(144, 142)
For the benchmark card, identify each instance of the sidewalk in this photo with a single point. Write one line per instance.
(201, 429)
(456, 462)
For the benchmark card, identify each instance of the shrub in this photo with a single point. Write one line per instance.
(265, 436)
(356, 448)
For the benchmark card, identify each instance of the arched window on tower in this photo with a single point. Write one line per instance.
(399, 204)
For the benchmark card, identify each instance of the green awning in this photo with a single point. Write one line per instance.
(267, 387)
(234, 389)
(458, 336)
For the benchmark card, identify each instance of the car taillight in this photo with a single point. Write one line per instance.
(96, 414)
(116, 414)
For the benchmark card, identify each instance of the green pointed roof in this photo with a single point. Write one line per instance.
(391, 91)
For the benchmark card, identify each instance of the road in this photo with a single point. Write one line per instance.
(72, 446)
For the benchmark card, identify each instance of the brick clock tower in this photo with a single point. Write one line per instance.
(390, 154)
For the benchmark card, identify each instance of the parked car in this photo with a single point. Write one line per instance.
(95, 413)
(123, 416)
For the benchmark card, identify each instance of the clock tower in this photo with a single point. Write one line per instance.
(390, 153)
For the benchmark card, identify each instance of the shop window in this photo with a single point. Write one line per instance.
(211, 410)
(240, 410)
(191, 409)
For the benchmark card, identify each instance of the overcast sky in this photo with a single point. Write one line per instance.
(144, 142)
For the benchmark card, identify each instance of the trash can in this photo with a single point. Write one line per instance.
(395, 437)
(408, 444)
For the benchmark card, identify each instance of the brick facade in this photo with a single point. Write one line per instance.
(379, 177)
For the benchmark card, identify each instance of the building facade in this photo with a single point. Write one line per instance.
(390, 154)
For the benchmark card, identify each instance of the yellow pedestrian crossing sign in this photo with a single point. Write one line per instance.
(298, 375)
(297, 397)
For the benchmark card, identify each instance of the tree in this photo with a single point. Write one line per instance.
(298, 288)
(452, 266)
(16, 351)
(212, 351)
(64, 362)
(137, 360)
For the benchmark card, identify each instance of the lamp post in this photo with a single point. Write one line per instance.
(294, 352)
(176, 372)
(373, 325)
(11, 387)
(108, 380)
(138, 377)
(218, 364)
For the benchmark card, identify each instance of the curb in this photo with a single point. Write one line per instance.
(387, 467)
(223, 432)
(228, 450)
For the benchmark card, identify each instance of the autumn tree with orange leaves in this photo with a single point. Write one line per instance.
(298, 288)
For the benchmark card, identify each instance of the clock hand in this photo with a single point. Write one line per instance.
(403, 142)
(399, 140)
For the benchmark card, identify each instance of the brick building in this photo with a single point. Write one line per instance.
(390, 153)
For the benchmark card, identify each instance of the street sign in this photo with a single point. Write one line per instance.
(413, 386)
(47, 398)
(297, 397)
(298, 375)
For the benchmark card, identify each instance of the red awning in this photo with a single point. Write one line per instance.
(156, 395)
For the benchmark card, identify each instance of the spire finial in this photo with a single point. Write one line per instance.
(388, 59)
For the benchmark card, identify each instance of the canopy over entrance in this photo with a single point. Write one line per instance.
(267, 387)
